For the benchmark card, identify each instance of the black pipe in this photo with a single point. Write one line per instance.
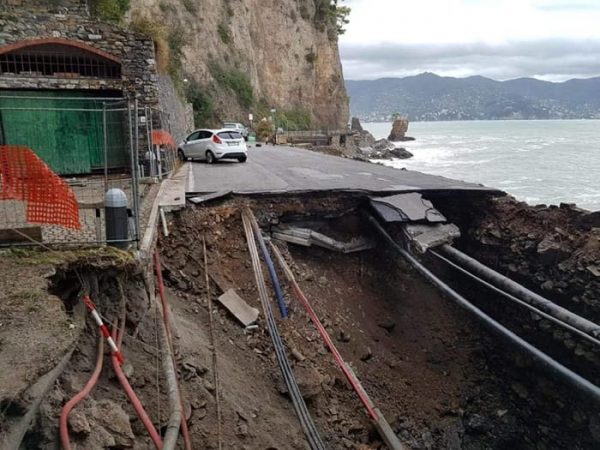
(516, 289)
(308, 425)
(546, 361)
(535, 310)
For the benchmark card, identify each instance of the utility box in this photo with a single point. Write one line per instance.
(116, 218)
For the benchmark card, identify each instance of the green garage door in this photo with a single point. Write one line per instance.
(67, 134)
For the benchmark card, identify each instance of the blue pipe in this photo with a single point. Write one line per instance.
(274, 279)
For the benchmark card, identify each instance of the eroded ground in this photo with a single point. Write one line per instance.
(440, 380)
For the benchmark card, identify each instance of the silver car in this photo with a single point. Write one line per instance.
(212, 145)
(237, 127)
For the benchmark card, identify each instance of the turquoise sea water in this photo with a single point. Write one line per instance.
(534, 160)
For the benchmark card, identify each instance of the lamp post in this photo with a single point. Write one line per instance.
(273, 114)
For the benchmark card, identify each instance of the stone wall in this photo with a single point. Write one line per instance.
(72, 6)
(181, 114)
(135, 52)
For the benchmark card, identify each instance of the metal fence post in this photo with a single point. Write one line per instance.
(134, 178)
(105, 143)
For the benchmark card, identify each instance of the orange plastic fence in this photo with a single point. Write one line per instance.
(162, 137)
(25, 177)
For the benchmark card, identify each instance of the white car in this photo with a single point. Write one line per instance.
(212, 145)
(237, 127)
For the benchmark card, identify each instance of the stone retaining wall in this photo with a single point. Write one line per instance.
(72, 6)
(133, 50)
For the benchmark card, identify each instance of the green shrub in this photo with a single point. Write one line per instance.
(264, 130)
(167, 7)
(331, 17)
(158, 33)
(110, 10)
(190, 6)
(224, 34)
(295, 120)
(304, 12)
(311, 56)
(235, 80)
(176, 40)
(202, 103)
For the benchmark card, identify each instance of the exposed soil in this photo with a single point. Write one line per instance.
(417, 355)
(440, 380)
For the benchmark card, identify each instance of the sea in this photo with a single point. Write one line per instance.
(538, 161)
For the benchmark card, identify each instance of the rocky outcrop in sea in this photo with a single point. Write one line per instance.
(363, 145)
(399, 129)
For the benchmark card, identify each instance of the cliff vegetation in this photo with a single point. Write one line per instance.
(230, 58)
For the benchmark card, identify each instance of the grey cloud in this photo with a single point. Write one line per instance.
(551, 58)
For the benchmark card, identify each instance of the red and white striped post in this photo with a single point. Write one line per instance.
(104, 329)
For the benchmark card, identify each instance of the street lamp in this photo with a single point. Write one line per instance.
(273, 112)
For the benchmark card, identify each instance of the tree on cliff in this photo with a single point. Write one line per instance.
(341, 17)
(328, 13)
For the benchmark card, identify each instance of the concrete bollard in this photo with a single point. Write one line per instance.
(117, 221)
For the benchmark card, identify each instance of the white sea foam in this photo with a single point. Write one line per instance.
(537, 161)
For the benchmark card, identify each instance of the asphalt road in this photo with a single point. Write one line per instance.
(282, 169)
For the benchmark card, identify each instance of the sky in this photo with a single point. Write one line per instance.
(552, 40)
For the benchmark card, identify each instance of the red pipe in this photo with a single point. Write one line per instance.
(323, 332)
(336, 355)
(66, 410)
(135, 401)
(165, 307)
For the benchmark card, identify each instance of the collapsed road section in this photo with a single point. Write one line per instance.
(440, 378)
(289, 321)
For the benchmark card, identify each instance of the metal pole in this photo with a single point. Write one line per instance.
(10, 108)
(134, 180)
(137, 130)
(150, 153)
(155, 148)
(105, 137)
(29, 97)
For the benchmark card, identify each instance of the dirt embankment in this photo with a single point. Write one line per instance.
(555, 252)
(420, 358)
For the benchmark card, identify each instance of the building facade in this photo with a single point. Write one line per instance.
(66, 81)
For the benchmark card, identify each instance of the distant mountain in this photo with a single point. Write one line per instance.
(431, 97)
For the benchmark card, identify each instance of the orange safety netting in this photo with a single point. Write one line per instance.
(25, 177)
(162, 137)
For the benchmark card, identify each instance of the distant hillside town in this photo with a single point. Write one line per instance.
(429, 97)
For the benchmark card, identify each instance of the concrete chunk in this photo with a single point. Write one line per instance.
(238, 307)
(410, 207)
(425, 237)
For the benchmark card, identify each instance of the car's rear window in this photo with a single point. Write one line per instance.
(229, 125)
(229, 135)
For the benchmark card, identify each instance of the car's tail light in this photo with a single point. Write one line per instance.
(216, 139)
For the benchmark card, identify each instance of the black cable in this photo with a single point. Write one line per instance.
(545, 360)
(515, 299)
(308, 426)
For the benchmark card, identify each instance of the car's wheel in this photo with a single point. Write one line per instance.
(181, 155)
(242, 159)
(210, 157)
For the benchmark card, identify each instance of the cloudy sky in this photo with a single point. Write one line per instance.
(549, 39)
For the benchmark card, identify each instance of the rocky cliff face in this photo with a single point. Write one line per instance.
(254, 55)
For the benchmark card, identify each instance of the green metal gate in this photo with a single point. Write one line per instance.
(65, 129)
